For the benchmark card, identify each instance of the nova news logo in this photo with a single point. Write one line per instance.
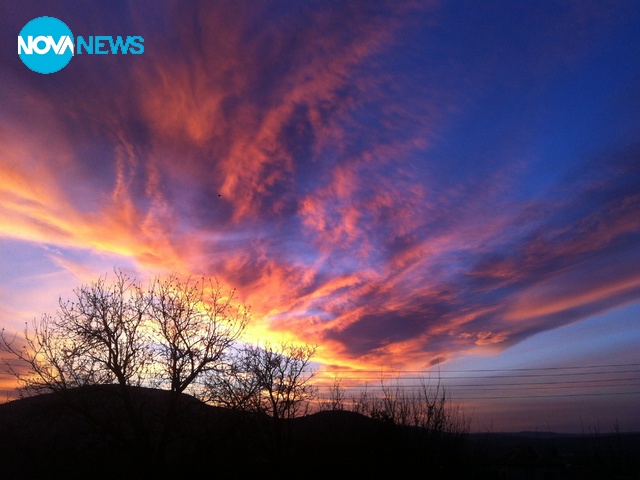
(46, 45)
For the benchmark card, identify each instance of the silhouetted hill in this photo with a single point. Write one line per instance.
(87, 430)
(86, 434)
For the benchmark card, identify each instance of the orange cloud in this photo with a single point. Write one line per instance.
(279, 159)
(553, 297)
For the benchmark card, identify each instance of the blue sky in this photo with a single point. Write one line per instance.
(404, 184)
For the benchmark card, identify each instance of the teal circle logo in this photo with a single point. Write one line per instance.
(45, 45)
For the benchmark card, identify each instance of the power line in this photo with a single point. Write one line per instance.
(438, 371)
(529, 397)
(500, 397)
(550, 372)
(534, 386)
(543, 380)
(494, 385)
(469, 377)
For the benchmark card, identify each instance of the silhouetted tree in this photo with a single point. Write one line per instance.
(420, 405)
(96, 339)
(193, 324)
(166, 336)
(284, 377)
(276, 380)
(336, 397)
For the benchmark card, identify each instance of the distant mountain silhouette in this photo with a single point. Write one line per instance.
(86, 434)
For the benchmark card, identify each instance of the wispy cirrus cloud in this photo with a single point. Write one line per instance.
(328, 160)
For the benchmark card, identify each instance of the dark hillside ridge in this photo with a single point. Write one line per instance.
(86, 434)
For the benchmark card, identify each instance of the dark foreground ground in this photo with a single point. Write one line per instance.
(87, 436)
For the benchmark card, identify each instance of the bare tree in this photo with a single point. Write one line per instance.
(108, 321)
(276, 380)
(45, 364)
(284, 377)
(166, 336)
(233, 387)
(336, 397)
(96, 339)
(422, 405)
(193, 325)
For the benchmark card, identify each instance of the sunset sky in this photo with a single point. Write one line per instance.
(415, 187)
